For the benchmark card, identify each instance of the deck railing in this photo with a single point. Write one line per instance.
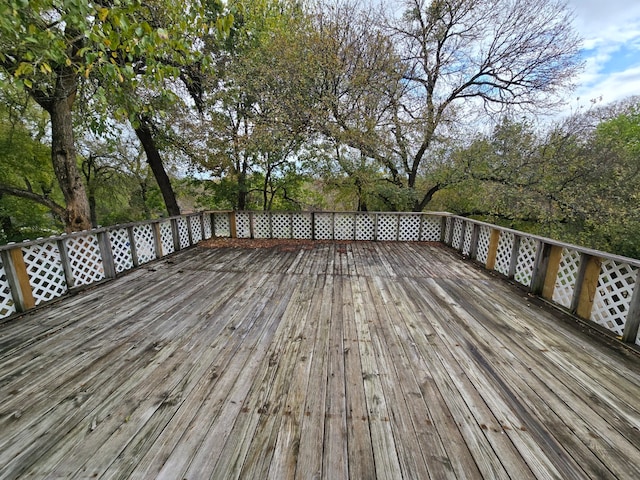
(593, 285)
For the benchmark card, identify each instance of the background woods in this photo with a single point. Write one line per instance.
(123, 110)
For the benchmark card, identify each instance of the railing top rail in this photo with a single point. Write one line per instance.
(587, 251)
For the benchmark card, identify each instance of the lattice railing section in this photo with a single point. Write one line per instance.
(166, 238)
(301, 226)
(243, 224)
(482, 251)
(323, 226)
(344, 225)
(85, 260)
(431, 229)
(221, 225)
(281, 225)
(456, 238)
(183, 232)
(468, 238)
(7, 305)
(504, 252)
(613, 295)
(567, 276)
(526, 261)
(448, 231)
(261, 225)
(145, 248)
(365, 227)
(196, 228)
(45, 271)
(121, 249)
(387, 228)
(206, 226)
(409, 228)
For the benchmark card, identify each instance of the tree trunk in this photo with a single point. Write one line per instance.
(63, 153)
(145, 135)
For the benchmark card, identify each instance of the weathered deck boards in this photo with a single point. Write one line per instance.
(360, 360)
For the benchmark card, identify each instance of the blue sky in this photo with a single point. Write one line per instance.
(611, 48)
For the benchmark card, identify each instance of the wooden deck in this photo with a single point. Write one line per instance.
(360, 360)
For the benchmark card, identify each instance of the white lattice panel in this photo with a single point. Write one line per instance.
(566, 279)
(456, 239)
(206, 226)
(281, 225)
(221, 225)
(243, 225)
(365, 226)
(482, 252)
(387, 227)
(121, 249)
(431, 229)
(526, 261)
(166, 238)
(468, 236)
(504, 252)
(301, 225)
(324, 226)
(183, 232)
(409, 228)
(145, 247)
(44, 268)
(261, 225)
(344, 226)
(613, 295)
(85, 260)
(196, 228)
(7, 307)
(448, 231)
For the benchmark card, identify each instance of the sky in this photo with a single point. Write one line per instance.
(611, 49)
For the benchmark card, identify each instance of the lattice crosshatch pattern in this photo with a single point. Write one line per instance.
(166, 237)
(261, 225)
(566, 279)
(44, 268)
(409, 229)
(613, 295)
(145, 247)
(221, 225)
(468, 236)
(365, 227)
(7, 306)
(301, 225)
(281, 225)
(387, 227)
(431, 229)
(344, 226)
(206, 226)
(121, 249)
(526, 260)
(196, 228)
(504, 252)
(243, 225)
(457, 234)
(85, 260)
(483, 244)
(448, 231)
(183, 232)
(324, 226)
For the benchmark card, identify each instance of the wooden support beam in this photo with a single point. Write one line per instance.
(18, 278)
(494, 239)
(514, 256)
(555, 255)
(463, 233)
(132, 247)
(632, 323)
(157, 238)
(64, 260)
(106, 253)
(232, 225)
(586, 284)
(475, 236)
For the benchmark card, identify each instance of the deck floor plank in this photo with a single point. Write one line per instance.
(324, 360)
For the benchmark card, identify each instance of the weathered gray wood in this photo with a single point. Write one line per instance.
(349, 360)
(632, 325)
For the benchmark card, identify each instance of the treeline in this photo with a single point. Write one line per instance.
(121, 110)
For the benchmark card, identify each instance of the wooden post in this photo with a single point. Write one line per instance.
(375, 227)
(64, 259)
(632, 323)
(494, 239)
(443, 229)
(18, 278)
(553, 265)
(132, 246)
(157, 238)
(462, 234)
(107, 255)
(232, 225)
(189, 233)
(586, 285)
(212, 215)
